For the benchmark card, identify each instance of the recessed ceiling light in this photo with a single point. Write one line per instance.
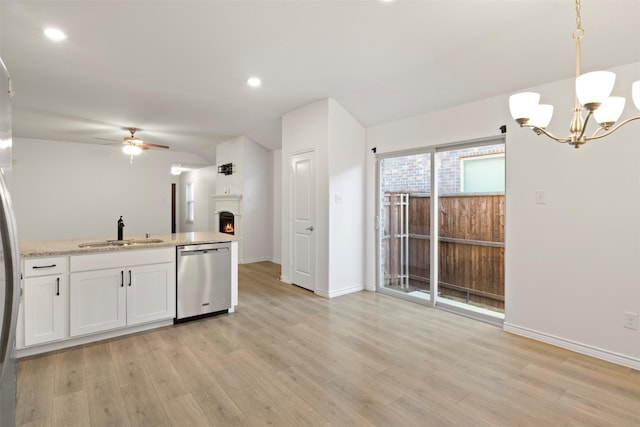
(254, 81)
(54, 34)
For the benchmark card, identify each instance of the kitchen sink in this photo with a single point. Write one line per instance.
(97, 245)
(118, 243)
(141, 241)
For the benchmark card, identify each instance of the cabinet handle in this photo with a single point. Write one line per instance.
(129, 277)
(122, 278)
(35, 267)
(57, 286)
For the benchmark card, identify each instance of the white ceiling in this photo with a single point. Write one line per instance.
(178, 69)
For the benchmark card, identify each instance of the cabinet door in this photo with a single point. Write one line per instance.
(44, 309)
(151, 293)
(97, 301)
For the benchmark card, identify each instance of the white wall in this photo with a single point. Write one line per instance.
(204, 181)
(65, 190)
(307, 129)
(257, 203)
(347, 145)
(276, 249)
(576, 258)
(339, 144)
(231, 151)
(252, 178)
(572, 264)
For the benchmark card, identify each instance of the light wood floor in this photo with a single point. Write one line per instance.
(289, 358)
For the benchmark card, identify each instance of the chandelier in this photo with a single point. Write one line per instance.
(592, 95)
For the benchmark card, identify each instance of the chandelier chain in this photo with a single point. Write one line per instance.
(579, 32)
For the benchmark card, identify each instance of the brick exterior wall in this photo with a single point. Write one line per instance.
(411, 174)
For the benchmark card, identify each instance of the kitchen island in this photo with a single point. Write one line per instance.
(83, 246)
(84, 290)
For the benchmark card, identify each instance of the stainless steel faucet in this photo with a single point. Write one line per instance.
(120, 228)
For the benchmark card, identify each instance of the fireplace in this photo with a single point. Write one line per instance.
(227, 222)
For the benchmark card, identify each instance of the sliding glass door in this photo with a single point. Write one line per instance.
(404, 194)
(471, 182)
(449, 254)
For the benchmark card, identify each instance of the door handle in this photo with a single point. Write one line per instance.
(57, 286)
(309, 228)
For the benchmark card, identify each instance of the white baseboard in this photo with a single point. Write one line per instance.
(86, 339)
(252, 260)
(598, 353)
(340, 292)
(285, 279)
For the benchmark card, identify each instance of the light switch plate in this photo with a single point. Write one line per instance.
(631, 320)
(541, 197)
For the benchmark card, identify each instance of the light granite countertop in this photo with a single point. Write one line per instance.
(72, 247)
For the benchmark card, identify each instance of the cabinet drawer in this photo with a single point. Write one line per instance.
(44, 266)
(121, 259)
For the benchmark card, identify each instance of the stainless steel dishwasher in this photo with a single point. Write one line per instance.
(204, 279)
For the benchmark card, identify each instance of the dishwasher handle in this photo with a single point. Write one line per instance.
(186, 252)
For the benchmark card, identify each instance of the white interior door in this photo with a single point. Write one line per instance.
(303, 205)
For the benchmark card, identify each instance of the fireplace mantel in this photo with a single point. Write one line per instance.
(228, 202)
(227, 197)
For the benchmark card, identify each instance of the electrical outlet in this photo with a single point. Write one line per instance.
(631, 320)
(541, 197)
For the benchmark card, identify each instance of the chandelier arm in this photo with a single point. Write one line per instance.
(539, 131)
(613, 129)
(595, 134)
(584, 125)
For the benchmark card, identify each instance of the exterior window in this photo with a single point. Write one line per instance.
(483, 174)
(190, 202)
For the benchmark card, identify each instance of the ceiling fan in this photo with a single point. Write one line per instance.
(133, 146)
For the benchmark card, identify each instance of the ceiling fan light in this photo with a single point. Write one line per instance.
(610, 110)
(594, 87)
(522, 105)
(635, 89)
(131, 150)
(541, 115)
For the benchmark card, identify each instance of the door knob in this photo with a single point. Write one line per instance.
(309, 228)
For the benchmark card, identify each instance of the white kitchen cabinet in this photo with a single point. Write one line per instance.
(97, 301)
(114, 290)
(45, 288)
(151, 294)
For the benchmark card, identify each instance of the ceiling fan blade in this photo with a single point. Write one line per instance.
(107, 139)
(148, 144)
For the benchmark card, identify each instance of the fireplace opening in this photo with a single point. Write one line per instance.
(226, 223)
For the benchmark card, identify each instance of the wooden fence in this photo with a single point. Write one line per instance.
(471, 245)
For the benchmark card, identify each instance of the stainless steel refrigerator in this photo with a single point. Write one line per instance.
(9, 263)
